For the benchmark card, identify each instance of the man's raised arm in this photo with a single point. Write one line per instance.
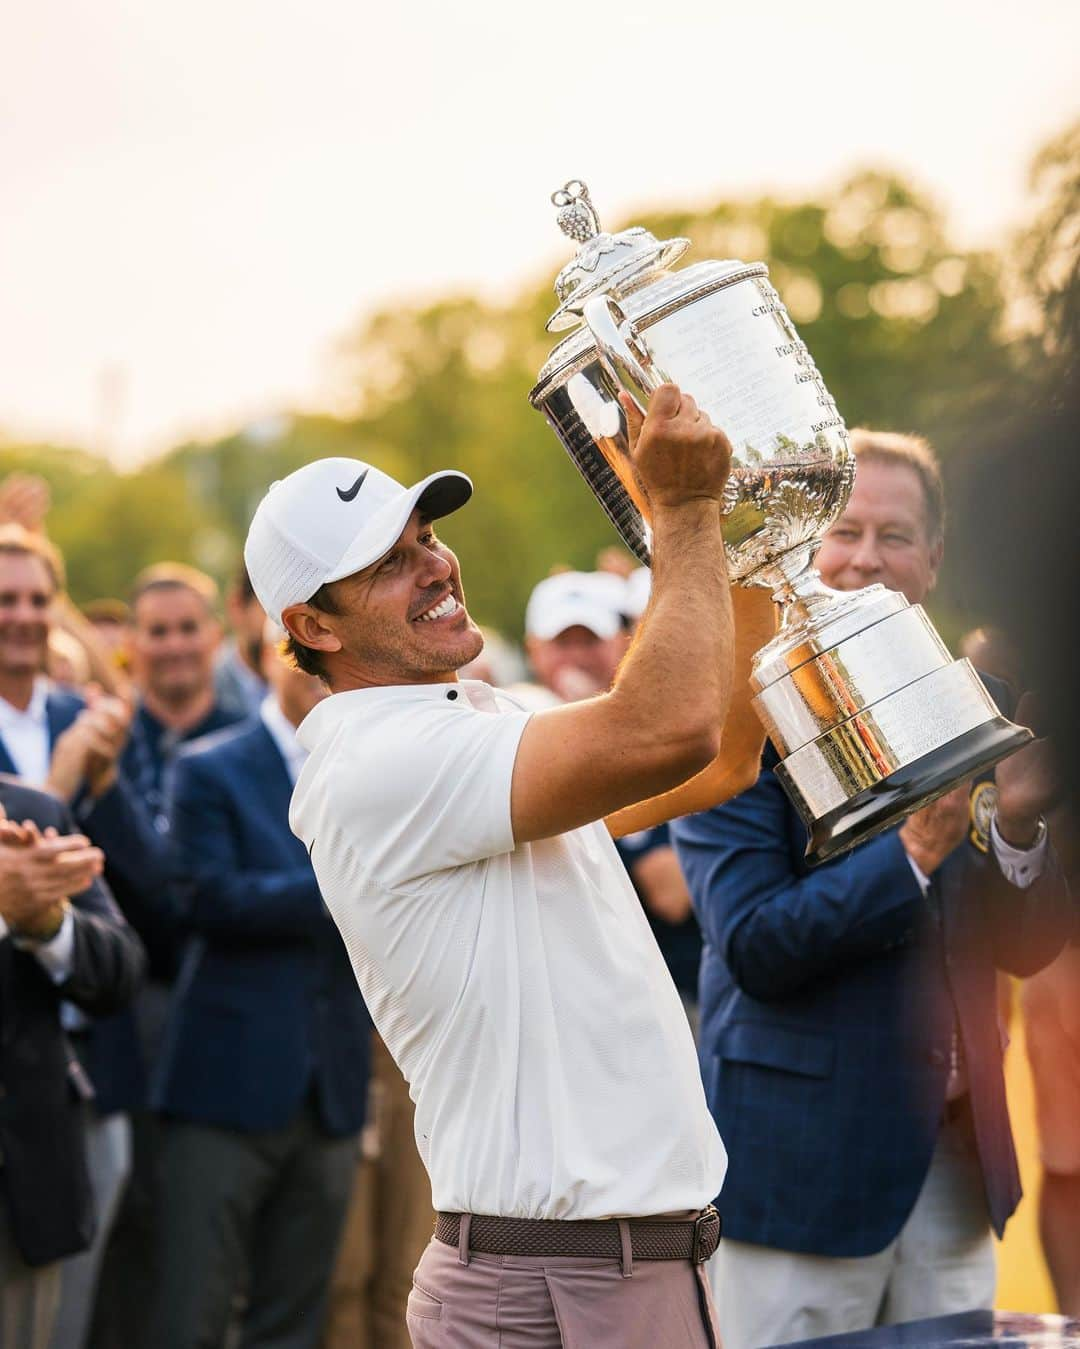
(660, 723)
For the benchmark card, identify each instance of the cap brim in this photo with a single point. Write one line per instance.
(437, 495)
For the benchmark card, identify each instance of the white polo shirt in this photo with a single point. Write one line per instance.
(520, 989)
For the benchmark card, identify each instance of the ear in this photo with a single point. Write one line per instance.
(308, 626)
(937, 554)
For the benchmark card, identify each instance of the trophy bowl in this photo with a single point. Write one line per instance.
(871, 716)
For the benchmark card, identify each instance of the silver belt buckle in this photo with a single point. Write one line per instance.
(706, 1234)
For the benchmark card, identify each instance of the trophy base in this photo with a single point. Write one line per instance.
(871, 716)
(909, 787)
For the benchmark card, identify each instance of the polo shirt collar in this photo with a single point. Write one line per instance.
(355, 703)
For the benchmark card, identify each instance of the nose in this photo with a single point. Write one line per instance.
(435, 569)
(866, 557)
(26, 611)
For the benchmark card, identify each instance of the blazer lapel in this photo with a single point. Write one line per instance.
(60, 712)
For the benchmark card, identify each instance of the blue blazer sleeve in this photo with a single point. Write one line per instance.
(1027, 928)
(218, 893)
(778, 926)
(136, 865)
(109, 962)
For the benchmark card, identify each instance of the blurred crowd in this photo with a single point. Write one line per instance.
(236, 1162)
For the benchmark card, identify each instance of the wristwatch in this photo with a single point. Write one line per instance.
(1040, 834)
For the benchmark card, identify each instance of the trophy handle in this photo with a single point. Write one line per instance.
(622, 349)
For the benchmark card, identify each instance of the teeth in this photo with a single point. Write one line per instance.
(447, 606)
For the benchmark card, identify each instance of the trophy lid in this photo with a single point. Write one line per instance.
(604, 261)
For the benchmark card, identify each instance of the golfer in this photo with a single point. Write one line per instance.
(459, 844)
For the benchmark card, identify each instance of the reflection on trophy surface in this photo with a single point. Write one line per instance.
(870, 714)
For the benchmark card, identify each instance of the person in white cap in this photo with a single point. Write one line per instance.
(505, 959)
(573, 637)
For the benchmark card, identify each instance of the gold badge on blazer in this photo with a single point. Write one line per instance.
(983, 808)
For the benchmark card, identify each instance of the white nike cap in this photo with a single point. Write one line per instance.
(571, 599)
(331, 519)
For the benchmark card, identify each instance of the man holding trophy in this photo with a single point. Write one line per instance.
(459, 844)
(850, 1018)
(459, 841)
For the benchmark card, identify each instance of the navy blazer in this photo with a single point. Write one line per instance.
(136, 859)
(110, 1049)
(43, 1179)
(61, 709)
(266, 1007)
(827, 1000)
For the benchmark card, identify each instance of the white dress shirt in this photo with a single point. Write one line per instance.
(283, 733)
(25, 734)
(1021, 867)
(54, 956)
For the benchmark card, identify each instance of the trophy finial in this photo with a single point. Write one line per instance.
(577, 216)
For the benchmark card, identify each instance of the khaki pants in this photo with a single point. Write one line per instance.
(542, 1302)
(28, 1294)
(389, 1223)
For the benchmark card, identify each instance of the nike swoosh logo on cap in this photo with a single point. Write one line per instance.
(351, 493)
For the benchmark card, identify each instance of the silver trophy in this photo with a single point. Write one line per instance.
(871, 716)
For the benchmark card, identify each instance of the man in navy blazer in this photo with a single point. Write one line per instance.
(849, 1040)
(52, 951)
(36, 719)
(263, 1078)
(111, 765)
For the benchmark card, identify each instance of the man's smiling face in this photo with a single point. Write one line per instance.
(26, 599)
(400, 621)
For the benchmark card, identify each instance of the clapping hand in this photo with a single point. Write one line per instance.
(39, 872)
(89, 749)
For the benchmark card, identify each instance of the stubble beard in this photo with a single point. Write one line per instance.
(407, 656)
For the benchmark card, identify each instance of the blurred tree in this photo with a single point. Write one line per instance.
(1048, 252)
(906, 331)
(909, 333)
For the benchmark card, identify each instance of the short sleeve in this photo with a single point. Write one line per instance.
(426, 790)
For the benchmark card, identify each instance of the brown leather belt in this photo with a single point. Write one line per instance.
(650, 1238)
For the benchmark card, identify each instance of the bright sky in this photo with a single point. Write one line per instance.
(200, 197)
